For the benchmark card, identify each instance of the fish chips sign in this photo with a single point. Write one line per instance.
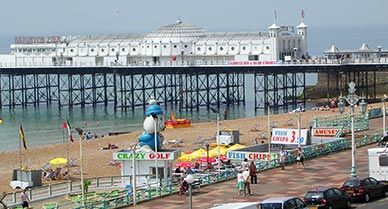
(241, 155)
(288, 136)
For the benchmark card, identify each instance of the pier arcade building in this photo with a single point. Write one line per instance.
(175, 44)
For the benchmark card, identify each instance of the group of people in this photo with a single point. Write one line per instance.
(299, 158)
(246, 176)
(56, 174)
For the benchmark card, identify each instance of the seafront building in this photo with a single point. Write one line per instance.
(175, 44)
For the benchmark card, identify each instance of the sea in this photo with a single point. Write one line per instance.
(43, 125)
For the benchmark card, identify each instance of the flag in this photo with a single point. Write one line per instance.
(69, 130)
(275, 14)
(302, 13)
(22, 136)
(64, 125)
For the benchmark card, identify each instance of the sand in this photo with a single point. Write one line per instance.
(96, 161)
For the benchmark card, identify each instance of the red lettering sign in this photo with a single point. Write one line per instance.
(325, 131)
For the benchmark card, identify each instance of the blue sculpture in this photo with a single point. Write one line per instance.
(153, 122)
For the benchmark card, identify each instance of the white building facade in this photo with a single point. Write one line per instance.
(171, 45)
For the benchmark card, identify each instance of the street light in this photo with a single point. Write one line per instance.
(207, 155)
(218, 137)
(383, 101)
(190, 179)
(156, 149)
(299, 116)
(352, 99)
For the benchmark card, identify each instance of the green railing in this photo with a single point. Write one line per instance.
(361, 122)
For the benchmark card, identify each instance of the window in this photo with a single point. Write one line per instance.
(366, 182)
(232, 48)
(155, 46)
(92, 50)
(267, 47)
(185, 46)
(71, 50)
(244, 48)
(337, 192)
(221, 48)
(330, 193)
(113, 50)
(164, 46)
(123, 49)
(290, 204)
(373, 181)
(299, 203)
(148, 46)
(174, 46)
(210, 48)
(102, 50)
(199, 48)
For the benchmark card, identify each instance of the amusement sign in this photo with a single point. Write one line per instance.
(325, 131)
(288, 136)
(144, 155)
(241, 155)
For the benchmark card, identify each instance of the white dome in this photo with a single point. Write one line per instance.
(176, 33)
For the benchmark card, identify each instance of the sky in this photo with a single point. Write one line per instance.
(81, 17)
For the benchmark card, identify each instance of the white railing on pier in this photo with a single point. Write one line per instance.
(318, 61)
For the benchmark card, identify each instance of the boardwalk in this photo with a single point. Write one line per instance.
(326, 171)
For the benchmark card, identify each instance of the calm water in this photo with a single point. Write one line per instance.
(43, 125)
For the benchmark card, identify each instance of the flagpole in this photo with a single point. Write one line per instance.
(269, 132)
(82, 172)
(20, 151)
(67, 154)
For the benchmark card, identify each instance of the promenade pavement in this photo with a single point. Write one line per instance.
(331, 170)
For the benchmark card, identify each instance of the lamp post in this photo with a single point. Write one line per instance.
(133, 149)
(299, 116)
(383, 101)
(352, 99)
(218, 142)
(190, 179)
(207, 155)
(156, 149)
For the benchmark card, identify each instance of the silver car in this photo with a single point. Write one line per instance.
(283, 203)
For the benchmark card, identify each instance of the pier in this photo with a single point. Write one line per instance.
(281, 86)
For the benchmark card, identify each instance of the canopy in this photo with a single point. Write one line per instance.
(58, 161)
(198, 153)
(184, 158)
(236, 146)
(214, 151)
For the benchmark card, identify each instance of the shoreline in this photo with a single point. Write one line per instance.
(96, 161)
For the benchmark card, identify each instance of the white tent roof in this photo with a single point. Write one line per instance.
(364, 47)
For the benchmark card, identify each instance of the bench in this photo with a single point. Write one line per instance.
(196, 185)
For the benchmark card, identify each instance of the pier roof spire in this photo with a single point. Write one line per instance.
(302, 25)
(274, 25)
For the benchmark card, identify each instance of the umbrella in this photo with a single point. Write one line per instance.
(184, 164)
(184, 158)
(58, 161)
(223, 157)
(205, 160)
(198, 153)
(236, 146)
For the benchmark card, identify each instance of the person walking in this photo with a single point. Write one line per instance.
(253, 173)
(300, 159)
(244, 164)
(282, 159)
(247, 186)
(24, 198)
(240, 183)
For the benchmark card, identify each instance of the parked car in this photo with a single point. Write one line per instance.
(283, 203)
(327, 198)
(237, 205)
(364, 189)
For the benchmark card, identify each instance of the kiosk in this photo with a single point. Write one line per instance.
(145, 164)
